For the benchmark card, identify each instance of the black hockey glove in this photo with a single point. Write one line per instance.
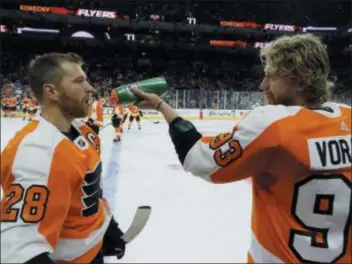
(113, 243)
(140, 113)
(90, 122)
(43, 258)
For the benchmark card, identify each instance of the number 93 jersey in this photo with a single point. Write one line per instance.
(52, 194)
(299, 163)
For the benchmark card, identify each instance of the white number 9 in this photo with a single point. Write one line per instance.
(322, 206)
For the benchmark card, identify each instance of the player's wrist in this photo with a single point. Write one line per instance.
(159, 105)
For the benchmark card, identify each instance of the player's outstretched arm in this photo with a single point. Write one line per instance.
(39, 195)
(228, 156)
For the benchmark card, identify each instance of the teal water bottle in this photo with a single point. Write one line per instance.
(154, 85)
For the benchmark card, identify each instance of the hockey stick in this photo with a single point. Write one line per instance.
(139, 221)
(154, 122)
(105, 126)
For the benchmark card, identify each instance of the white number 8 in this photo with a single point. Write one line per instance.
(322, 206)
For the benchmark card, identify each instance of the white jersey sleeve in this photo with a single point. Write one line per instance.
(240, 153)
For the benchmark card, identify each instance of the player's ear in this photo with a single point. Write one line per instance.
(299, 85)
(51, 92)
(300, 89)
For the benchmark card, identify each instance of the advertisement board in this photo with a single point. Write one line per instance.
(78, 12)
(240, 114)
(159, 16)
(96, 13)
(280, 27)
(219, 114)
(188, 114)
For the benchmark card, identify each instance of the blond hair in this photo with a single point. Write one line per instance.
(301, 58)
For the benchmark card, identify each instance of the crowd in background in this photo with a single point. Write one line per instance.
(195, 80)
(192, 84)
(211, 12)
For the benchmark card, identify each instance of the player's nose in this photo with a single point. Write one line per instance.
(89, 88)
(263, 85)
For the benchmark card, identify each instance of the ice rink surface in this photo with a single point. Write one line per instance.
(192, 221)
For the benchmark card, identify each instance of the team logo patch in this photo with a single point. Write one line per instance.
(81, 143)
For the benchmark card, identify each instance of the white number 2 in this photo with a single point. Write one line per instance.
(322, 206)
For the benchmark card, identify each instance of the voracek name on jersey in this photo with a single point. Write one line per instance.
(330, 152)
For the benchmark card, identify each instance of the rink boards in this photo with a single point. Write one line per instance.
(190, 114)
(202, 114)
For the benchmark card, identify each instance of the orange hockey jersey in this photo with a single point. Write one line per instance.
(34, 103)
(26, 102)
(134, 110)
(9, 101)
(96, 113)
(4, 101)
(299, 161)
(118, 109)
(52, 199)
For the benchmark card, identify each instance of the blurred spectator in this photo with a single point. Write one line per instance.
(218, 84)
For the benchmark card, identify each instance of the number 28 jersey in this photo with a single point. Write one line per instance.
(299, 163)
(52, 195)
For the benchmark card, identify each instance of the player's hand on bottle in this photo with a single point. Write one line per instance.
(153, 101)
(149, 100)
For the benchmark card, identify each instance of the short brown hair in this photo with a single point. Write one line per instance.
(301, 58)
(46, 68)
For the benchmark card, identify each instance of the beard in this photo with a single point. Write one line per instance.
(287, 101)
(279, 100)
(73, 108)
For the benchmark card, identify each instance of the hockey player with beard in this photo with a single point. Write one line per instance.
(51, 175)
(296, 150)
